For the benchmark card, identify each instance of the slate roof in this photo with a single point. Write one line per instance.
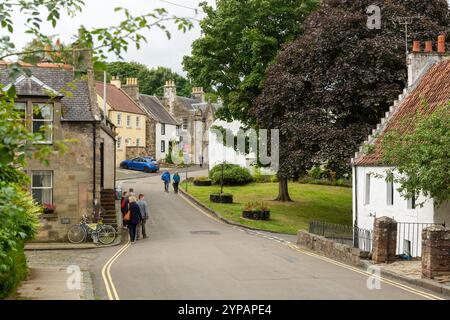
(433, 87)
(156, 109)
(59, 77)
(118, 99)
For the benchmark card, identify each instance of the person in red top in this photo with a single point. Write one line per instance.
(124, 206)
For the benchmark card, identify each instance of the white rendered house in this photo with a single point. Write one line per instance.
(429, 79)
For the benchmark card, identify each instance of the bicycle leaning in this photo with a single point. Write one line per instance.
(99, 232)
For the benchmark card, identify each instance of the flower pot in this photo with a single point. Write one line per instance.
(221, 198)
(202, 183)
(256, 215)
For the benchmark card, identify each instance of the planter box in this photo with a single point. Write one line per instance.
(202, 183)
(218, 198)
(256, 215)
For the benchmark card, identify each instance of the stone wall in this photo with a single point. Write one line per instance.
(150, 137)
(435, 251)
(328, 248)
(384, 240)
(133, 152)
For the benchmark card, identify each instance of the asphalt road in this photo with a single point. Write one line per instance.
(191, 256)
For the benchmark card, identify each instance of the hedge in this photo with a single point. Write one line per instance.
(10, 279)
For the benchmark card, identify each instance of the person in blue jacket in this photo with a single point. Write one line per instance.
(166, 178)
(176, 182)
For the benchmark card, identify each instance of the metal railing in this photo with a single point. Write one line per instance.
(352, 236)
(409, 238)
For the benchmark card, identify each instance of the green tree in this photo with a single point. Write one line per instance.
(151, 81)
(421, 155)
(240, 39)
(331, 85)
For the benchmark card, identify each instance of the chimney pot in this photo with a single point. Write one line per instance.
(416, 46)
(441, 44)
(428, 46)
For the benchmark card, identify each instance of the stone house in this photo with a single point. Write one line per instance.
(127, 116)
(429, 80)
(66, 106)
(195, 116)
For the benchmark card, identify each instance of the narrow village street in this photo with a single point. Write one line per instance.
(191, 256)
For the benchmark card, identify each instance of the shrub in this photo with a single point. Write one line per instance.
(15, 273)
(232, 175)
(202, 179)
(18, 223)
(318, 173)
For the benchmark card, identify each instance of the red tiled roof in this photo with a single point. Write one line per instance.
(39, 65)
(433, 88)
(118, 99)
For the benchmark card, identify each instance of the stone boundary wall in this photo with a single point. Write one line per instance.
(329, 249)
(133, 152)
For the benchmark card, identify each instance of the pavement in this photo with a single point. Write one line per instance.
(190, 255)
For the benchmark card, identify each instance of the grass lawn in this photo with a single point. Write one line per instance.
(311, 202)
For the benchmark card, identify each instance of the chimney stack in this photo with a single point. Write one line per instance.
(131, 87)
(441, 44)
(198, 94)
(170, 93)
(115, 81)
(419, 62)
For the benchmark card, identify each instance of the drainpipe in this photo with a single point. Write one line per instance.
(355, 223)
(94, 159)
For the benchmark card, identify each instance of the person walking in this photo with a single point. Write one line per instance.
(166, 178)
(135, 218)
(124, 207)
(143, 206)
(176, 182)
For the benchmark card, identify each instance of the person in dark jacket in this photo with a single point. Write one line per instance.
(166, 178)
(124, 206)
(176, 181)
(135, 218)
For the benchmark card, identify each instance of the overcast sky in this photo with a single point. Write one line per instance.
(159, 51)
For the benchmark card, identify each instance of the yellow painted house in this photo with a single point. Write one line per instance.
(127, 116)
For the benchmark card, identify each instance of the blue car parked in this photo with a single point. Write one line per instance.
(146, 164)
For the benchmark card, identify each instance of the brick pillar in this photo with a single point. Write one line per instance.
(435, 251)
(384, 240)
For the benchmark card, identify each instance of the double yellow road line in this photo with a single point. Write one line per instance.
(106, 273)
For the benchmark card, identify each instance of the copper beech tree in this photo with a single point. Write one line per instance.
(331, 85)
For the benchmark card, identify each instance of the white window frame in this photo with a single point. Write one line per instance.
(163, 129)
(138, 142)
(185, 121)
(24, 110)
(119, 142)
(411, 202)
(389, 193)
(127, 142)
(367, 189)
(128, 121)
(163, 146)
(119, 119)
(43, 188)
(178, 131)
(138, 122)
(49, 127)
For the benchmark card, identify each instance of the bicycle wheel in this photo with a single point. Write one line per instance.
(106, 234)
(76, 234)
